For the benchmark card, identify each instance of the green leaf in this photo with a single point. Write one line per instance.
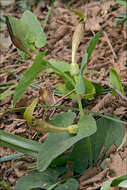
(20, 144)
(115, 81)
(84, 62)
(18, 28)
(22, 54)
(36, 31)
(59, 161)
(56, 144)
(27, 30)
(93, 42)
(37, 179)
(80, 86)
(29, 76)
(70, 184)
(98, 88)
(80, 156)
(108, 132)
(7, 93)
(114, 181)
(62, 88)
(81, 15)
(122, 3)
(123, 184)
(89, 89)
(60, 66)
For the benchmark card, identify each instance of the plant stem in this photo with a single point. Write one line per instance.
(66, 108)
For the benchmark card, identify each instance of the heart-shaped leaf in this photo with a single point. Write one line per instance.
(108, 132)
(56, 144)
(37, 179)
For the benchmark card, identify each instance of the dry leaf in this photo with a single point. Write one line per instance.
(117, 165)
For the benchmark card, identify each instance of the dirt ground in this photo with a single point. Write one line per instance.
(111, 51)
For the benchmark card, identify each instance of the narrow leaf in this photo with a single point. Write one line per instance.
(20, 144)
(93, 42)
(84, 62)
(81, 15)
(29, 76)
(115, 81)
(80, 85)
(91, 46)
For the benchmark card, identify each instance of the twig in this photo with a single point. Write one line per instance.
(109, 85)
(63, 97)
(60, 100)
(110, 45)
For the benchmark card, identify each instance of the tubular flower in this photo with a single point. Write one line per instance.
(42, 126)
(76, 39)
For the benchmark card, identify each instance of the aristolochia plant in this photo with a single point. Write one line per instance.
(63, 132)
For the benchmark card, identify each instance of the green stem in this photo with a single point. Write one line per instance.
(66, 108)
(48, 14)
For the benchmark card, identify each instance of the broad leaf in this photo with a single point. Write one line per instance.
(108, 132)
(115, 81)
(17, 28)
(28, 76)
(27, 31)
(37, 179)
(80, 156)
(56, 144)
(70, 184)
(20, 144)
(36, 31)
